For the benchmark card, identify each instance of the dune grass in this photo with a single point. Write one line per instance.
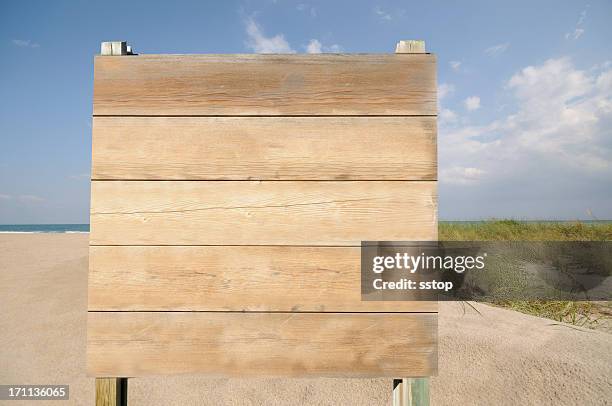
(512, 230)
(587, 314)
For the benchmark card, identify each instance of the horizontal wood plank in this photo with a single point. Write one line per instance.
(264, 148)
(238, 85)
(206, 278)
(255, 344)
(261, 213)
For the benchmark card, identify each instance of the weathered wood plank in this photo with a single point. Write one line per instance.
(238, 85)
(297, 279)
(248, 344)
(260, 148)
(261, 213)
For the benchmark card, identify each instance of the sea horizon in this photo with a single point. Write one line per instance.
(85, 228)
(43, 228)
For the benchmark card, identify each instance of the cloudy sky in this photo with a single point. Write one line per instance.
(525, 88)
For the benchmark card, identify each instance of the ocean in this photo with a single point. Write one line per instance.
(44, 228)
(84, 228)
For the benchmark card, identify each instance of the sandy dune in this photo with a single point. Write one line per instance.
(497, 357)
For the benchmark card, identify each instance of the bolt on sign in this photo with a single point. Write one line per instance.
(229, 198)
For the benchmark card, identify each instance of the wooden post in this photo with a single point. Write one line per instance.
(410, 47)
(111, 391)
(411, 392)
(115, 48)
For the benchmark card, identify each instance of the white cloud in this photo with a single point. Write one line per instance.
(455, 65)
(25, 43)
(498, 49)
(382, 13)
(583, 14)
(576, 34)
(23, 198)
(445, 90)
(447, 116)
(579, 29)
(556, 146)
(307, 9)
(261, 44)
(601, 66)
(315, 47)
(460, 175)
(30, 199)
(472, 103)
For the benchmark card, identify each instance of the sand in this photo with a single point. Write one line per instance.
(495, 357)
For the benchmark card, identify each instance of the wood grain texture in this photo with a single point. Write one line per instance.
(264, 148)
(197, 278)
(111, 391)
(256, 344)
(238, 85)
(106, 392)
(261, 213)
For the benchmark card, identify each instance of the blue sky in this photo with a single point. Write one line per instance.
(525, 128)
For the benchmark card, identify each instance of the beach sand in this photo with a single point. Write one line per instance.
(490, 357)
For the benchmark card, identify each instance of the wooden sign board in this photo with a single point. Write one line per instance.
(230, 195)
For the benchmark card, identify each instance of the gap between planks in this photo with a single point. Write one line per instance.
(266, 115)
(236, 245)
(262, 311)
(261, 180)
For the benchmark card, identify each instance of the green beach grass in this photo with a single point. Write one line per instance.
(512, 230)
(586, 314)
